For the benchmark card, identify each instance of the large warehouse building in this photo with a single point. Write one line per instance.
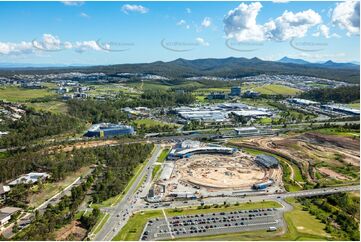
(109, 130)
(267, 161)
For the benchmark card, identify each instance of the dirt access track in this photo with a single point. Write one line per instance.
(312, 148)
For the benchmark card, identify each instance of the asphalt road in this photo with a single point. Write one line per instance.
(120, 213)
(256, 198)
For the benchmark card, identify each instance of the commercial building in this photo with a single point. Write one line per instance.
(217, 95)
(263, 185)
(30, 178)
(302, 101)
(246, 130)
(187, 144)
(3, 191)
(167, 170)
(5, 214)
(252, 113)
(109, 130)
(204, 150)
(251, 94)
(204, 115)
(341, 109)
(235, 91)
(267, 161)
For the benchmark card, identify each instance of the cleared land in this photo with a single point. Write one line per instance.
(50, 189)
(151, 122)
(222, 171)
(52, 106)
(337, 153)
(275, 89)
(17, 94)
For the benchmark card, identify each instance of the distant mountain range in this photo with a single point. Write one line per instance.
(5, 65)
(327, 64)
(231, 67)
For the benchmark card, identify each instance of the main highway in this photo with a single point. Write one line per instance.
(120, 213)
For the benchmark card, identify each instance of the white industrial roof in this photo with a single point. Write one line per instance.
(246, 129)
(208, 148)
(167, 171)
(249, 113)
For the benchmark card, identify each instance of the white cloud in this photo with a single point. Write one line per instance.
(188, 10)
(73, 3)
(181, 22)
(323, 30)
(292, 25)
(82, 46)
(347, 16)
(50, 43)
(201, 41)
(280, 1)
(84, 15)
(207, 22)
(134, 8)
(7, 48)
(241, 24)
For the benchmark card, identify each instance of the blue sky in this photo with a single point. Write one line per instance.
(133, 32)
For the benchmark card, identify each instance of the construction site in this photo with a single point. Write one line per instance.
(319, 156)
(215, 173)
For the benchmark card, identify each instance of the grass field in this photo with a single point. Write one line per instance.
(50, 189)
(355, 105)
(17, 94)
(339, 132)
(150, 122)
(163, 155)
(52, 106)
(155, 170)
(275, 89)
(302, 224)
(133, 229)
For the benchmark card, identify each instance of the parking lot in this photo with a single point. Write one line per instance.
(212, 223)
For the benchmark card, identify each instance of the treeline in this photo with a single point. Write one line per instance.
(61, 163)
(118, 168)
(110, 111)
(58, 164)
(160, 98)
(345, 94)
(34, 125)
(340, 213)
(142, 128)
(55, 217)
(96, 111)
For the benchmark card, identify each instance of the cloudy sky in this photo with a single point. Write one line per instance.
(133, 32)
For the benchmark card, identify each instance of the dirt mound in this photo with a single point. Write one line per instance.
(331, 140)
(72, 231)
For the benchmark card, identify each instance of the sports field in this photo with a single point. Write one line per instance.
(275, 89)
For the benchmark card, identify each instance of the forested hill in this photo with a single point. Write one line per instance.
(227, 67)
